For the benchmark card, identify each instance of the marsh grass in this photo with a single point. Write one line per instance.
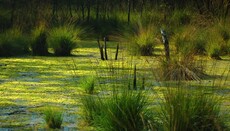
(218, 38)
(39, 43)
(181, 17)
(88, 84)
(183, 68)
(91, 106)
(64, 39)
(126, 110)
(191, 109)
(140, 39)
(191, 40)
(13, 43)
(53, 117)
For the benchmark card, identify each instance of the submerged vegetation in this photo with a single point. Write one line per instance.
(171, 68)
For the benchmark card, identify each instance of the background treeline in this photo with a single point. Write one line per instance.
(33, 25)
(28, 14)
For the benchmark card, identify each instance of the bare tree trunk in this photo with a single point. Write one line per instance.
(88, 9)
(97, 10)
(166, 45)
(12, 12)
(83, 11)
(142, 7)
(70, 8)
(135, 78)
(129, 10)
(100, 49)
(117, 50)
(106, 56)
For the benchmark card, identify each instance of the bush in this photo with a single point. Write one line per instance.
(225, 34)
(190, 40)
(39, 44)
(189, 110)
(182, 68)
(124, 111)
(63, 40)
(13, 43)
(181, 17)
(5, 22)
(53, 117)
(215, 42)
(140, 40)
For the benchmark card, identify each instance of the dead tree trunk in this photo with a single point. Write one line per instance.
(129, 10)
(135, 78)
(100, 49)
(106, 56)
(116, 55)
(166, 45)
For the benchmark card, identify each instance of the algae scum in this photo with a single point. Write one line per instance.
(30, 84)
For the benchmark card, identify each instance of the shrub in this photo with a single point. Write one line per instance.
(53, 117)
(189, 110)
(123, 111)
(181, 17)
(13, 43)
(182, 68)
(5, 22)
(225, 34)
(39, 44)
(63, 40)
(190, 40)
(140, 40)
(215, 41)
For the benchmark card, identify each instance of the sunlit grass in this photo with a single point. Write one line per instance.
(35, 82)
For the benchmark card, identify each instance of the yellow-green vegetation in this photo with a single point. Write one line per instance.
(28, 84)
(179, 46)
(53, 117)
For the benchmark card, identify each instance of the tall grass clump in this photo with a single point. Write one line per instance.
(39, 43)
(88, 84)
(53, 117)
(190, 40)
(218, 37)
(183, 68)
(225, 34)
(92, 107)
(140, 39)
(63, 40)
(180, 17)
(127, 110)
(191, 109)
(13, 43)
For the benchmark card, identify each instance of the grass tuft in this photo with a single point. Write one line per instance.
(39, 44)
(63, 40)
(123, 111)
(187, 109)
(53, 117)
(182, 68)
(140, 39)
(88, 84)
(13, 43)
